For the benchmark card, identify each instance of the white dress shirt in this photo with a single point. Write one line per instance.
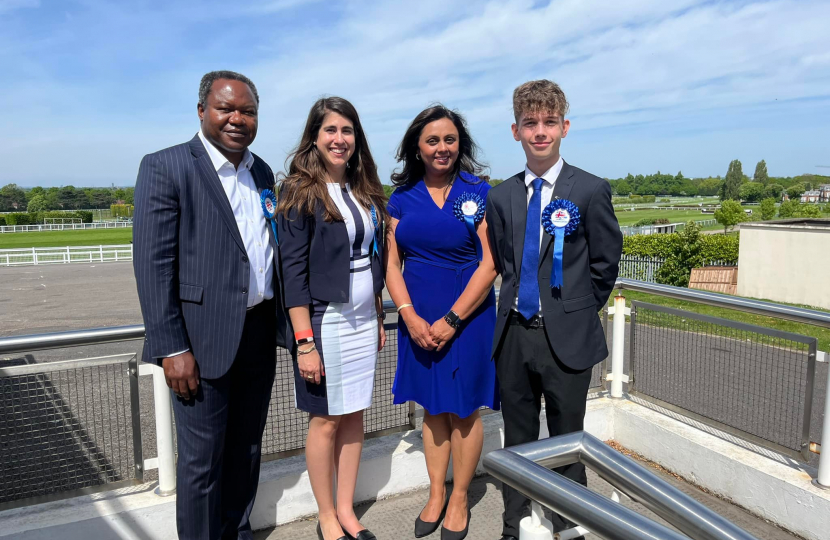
(549, 178)
(243, 196)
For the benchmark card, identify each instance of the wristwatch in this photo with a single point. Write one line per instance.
(453, 319)
(382, 315)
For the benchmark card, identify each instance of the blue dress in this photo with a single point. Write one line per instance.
(439, 260)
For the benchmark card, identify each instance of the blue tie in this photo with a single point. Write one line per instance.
(529, 279)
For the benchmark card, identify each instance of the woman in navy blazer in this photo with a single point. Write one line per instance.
(330, 216)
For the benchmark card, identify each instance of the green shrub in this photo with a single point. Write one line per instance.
(665, 200)
(686, 255)
(712, 247)
(644, 222)
(18, 218)
(2, 221)
(661, 221)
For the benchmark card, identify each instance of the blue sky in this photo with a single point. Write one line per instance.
(91, 86)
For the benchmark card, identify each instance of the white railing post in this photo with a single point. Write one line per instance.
(34, 256)
(101, 253)
(823, 478)
(68, 255)
(618, 347)
(164, 434)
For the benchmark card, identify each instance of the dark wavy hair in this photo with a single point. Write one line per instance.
(413, 169)
(305, 185)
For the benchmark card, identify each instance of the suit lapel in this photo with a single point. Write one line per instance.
(213, 186)
(518, 218)
(561, 190)
(263, 182)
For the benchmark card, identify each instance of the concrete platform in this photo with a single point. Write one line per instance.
(394, 518)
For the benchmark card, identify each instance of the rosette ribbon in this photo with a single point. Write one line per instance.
(269, 208)
(469, 209)
(560, 218)
(376, 224)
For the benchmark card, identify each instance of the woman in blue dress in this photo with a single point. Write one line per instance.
(440, 273)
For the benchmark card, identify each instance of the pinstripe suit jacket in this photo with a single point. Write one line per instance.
(190, 262)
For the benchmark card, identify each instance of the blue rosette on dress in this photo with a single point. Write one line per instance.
(376, 224)
(469, 209)
(560, 218)
(269, 208)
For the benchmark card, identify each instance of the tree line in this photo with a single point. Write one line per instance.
(735, 186)
(39, 199)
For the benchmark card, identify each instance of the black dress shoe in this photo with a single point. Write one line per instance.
(426, 528)
(447, 534)
(321, 537)
(365, 534)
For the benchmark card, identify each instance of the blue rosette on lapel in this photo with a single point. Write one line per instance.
(560, 218)
(376, 225)
(469, 209)
(269, 208)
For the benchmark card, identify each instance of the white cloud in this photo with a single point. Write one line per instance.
(642, 72)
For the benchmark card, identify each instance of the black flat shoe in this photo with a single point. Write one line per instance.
(447, 534)
(365, 534)
(321, 537)
(426, 528)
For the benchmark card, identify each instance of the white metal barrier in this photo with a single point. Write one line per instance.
(65, 255)
(66, 226)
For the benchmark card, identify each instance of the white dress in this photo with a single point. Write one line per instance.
(346, 334)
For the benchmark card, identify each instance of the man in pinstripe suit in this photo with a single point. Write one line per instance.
(208, 283)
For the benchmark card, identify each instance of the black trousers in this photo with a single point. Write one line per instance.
(220, 437)
(528, 369)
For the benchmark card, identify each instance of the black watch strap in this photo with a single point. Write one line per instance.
(453, 319)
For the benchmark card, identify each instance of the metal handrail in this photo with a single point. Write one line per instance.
(524, 467)
(758, 307)
(94, 336)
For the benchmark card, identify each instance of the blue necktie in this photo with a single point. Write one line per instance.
(529, 279)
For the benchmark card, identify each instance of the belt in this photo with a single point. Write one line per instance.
(516, 318)
(459, 273)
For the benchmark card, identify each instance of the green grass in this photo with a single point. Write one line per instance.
(627, 217)
(822, 334)
(91, 237)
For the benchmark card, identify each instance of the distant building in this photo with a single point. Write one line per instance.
(811, 196)
(824, 189)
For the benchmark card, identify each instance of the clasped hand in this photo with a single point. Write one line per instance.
(430, 338)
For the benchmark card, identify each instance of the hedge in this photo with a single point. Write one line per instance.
(2, 221)
(713, 247)
(37, 218)
(18, 218)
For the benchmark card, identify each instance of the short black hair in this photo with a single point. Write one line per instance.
(213, 76)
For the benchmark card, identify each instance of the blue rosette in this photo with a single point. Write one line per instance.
(376, 224)
(269, 207)
(469, 209)
(560, 219)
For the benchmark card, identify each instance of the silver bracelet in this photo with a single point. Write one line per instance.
(312, 349)
(404, 306)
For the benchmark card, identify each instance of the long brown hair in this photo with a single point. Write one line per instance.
(305, 185)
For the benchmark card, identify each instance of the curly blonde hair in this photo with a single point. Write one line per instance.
(539, 96)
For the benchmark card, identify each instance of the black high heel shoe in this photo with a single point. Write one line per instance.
(426, 528)
(321, 537)
(365, 534)
(447, 534)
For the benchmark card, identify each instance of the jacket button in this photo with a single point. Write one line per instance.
(244, 290)
(244, 259)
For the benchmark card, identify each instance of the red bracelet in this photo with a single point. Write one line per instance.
(303, 334)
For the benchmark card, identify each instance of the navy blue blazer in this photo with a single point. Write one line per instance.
(191, 267)
(315, 258)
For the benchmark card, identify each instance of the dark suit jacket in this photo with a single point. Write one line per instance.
(315, 258)
(190, 262)
(590, 264)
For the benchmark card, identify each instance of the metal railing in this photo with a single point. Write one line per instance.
(66, 227)
(65, 255)
(68, 427)
(387, 417)
(526, 468)
(753, 382)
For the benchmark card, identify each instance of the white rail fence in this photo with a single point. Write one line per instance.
(64, 255)
(66, 226)
(630, 230)
(646, 268)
